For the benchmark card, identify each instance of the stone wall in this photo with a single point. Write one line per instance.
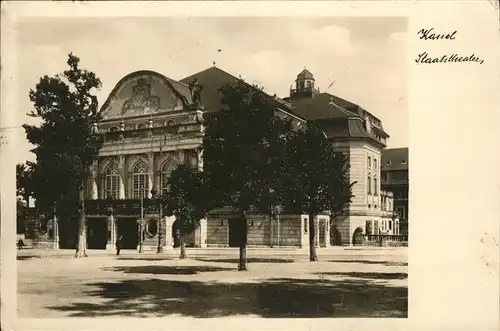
(259, 231)
(217, 231)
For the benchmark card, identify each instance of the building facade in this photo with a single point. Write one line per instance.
(151, 124)
(395, 179)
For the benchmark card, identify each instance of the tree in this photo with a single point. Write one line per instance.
(185, 199)
(23, 192)
(65, 146)
(239, 153)
(317, 178)
(23, 183)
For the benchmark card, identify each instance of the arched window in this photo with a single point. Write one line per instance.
(140, 126)
(113, 129)
(166, 171)
(112, 182)
(140, 184)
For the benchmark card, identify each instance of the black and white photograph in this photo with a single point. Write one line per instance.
(212, 167)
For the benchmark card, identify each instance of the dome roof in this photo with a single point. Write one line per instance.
(305, 74)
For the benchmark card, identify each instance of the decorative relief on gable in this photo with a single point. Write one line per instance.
(141, 94)
(142, 99)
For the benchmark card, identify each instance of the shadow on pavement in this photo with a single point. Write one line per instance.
(144, 258)
(387, 263)
(249, 260)
(27, 257)
(369, 275)
(282, 297)
(166, 270)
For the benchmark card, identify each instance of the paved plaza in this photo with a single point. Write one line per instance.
(344, 283)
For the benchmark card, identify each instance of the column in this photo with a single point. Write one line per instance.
(200, 159)
(203, 233)
(122, 170)
(55, 232)
(150, 174)
(169, 222)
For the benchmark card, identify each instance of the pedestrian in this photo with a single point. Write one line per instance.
(118, 244)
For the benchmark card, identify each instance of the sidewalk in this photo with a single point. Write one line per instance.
(233, 251)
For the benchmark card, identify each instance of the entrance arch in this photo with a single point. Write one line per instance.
(357, 237)
(189, 236)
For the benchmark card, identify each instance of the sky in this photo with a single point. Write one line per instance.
(365, 57)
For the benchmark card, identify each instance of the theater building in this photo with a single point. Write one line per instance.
(152, 123)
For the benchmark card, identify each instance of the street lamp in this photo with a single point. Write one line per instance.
(141, 223)
(275, 212)
(156, 195)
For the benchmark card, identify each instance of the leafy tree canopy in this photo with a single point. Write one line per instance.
(64, 144)
(242, 146)
(317, 176)
(186, 196)
(23, 179)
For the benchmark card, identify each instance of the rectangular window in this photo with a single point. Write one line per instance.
(375, 163)
(305, 225)
(369, 162)
(112, 186)
(390, 225)
(368, 228)
(369, 185)
(384, 176)
(375, 227)
(375, 186)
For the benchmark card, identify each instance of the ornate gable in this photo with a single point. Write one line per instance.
(144, 93)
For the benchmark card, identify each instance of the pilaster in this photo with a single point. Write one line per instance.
(327, 232)
(169, 222)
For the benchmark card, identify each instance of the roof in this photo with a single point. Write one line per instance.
(322, 106)
(305, 74)
(212, 79)
(394, 159)
(339, 118)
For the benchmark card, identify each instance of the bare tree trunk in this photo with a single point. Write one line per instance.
(81, 248)
(183, 246)
(242, 265)
(312, 238)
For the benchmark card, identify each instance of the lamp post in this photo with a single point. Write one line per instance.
(155, 194)
(141, 221)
